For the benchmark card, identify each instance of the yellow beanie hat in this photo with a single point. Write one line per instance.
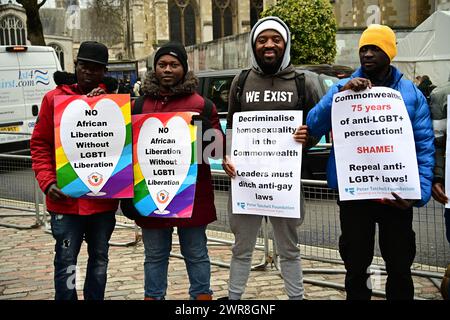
(381, 36)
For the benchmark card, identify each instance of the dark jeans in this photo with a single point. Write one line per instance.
(193, 244)
(69, 231)
(356, 246)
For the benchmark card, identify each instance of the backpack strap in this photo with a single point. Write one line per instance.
(240, 85)
(138, 105)
(207, 108)
(300, 84)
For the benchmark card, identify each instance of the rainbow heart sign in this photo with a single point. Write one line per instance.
(165, 164)
(93, 146)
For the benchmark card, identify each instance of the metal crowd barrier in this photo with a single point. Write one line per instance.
(21, 195)
(319, 233)
(20, 192)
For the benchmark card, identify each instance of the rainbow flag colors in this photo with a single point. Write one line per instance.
(93, 147)
(165, 164)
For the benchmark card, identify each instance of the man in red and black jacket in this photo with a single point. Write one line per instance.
(73, 220)
(171, 87)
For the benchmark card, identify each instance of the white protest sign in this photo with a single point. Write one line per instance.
(93, 139)
(164, 155)
(268, 163)
(447, 154)
(374, 145)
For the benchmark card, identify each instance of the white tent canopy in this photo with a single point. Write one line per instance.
(426, 50)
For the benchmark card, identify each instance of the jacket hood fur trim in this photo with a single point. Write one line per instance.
(187, 87)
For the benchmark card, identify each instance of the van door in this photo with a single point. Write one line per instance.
(36, 75)
(12, 112)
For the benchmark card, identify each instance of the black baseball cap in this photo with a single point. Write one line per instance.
(93, 51)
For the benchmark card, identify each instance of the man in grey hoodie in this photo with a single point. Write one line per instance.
(270, 44)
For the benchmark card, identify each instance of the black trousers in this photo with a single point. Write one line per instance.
(356, 247)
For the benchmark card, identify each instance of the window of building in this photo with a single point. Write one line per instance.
(182, 21)
(223, 17)
(59, 53)
(12, 31)
(256, 7)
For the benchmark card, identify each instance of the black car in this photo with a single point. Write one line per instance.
(215, 85)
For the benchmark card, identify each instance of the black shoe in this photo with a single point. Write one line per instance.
(223, 298)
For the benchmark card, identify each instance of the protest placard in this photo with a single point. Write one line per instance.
(374, 145)
(165, 164)
(268, 163)
(93, 146)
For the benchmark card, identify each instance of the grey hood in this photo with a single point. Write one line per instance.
(287, 52)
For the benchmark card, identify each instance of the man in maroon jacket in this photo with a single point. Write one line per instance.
(73, 220)
(172, 88)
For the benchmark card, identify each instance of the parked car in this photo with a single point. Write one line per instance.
(215, 85)
(333, 70)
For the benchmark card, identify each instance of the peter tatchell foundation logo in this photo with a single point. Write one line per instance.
(95, 179)
(162, 196)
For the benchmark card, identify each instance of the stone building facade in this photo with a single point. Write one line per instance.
(133, 29)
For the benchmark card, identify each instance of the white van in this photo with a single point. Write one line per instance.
(26, 75)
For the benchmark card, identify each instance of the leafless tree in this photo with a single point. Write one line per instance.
(106, 21)
(35, 33)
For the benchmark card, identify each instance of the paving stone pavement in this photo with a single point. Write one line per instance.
(26, 271)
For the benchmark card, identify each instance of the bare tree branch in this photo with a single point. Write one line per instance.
(42, 3)
(106, 21)
(35, 33)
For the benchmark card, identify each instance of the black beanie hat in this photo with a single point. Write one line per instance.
(174, 49)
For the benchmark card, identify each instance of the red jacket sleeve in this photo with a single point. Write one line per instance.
(42, 145)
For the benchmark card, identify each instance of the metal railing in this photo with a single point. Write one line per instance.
(19, 192)
(319, 233)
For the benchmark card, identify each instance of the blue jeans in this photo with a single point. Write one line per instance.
(447, 223)
(158, 244)
(69, 232)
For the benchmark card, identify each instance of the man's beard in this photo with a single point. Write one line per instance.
(269, 68)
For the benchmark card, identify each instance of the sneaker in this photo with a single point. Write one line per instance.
(223, 298)
(445, 285)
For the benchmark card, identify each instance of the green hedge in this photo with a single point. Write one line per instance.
(313, 29)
